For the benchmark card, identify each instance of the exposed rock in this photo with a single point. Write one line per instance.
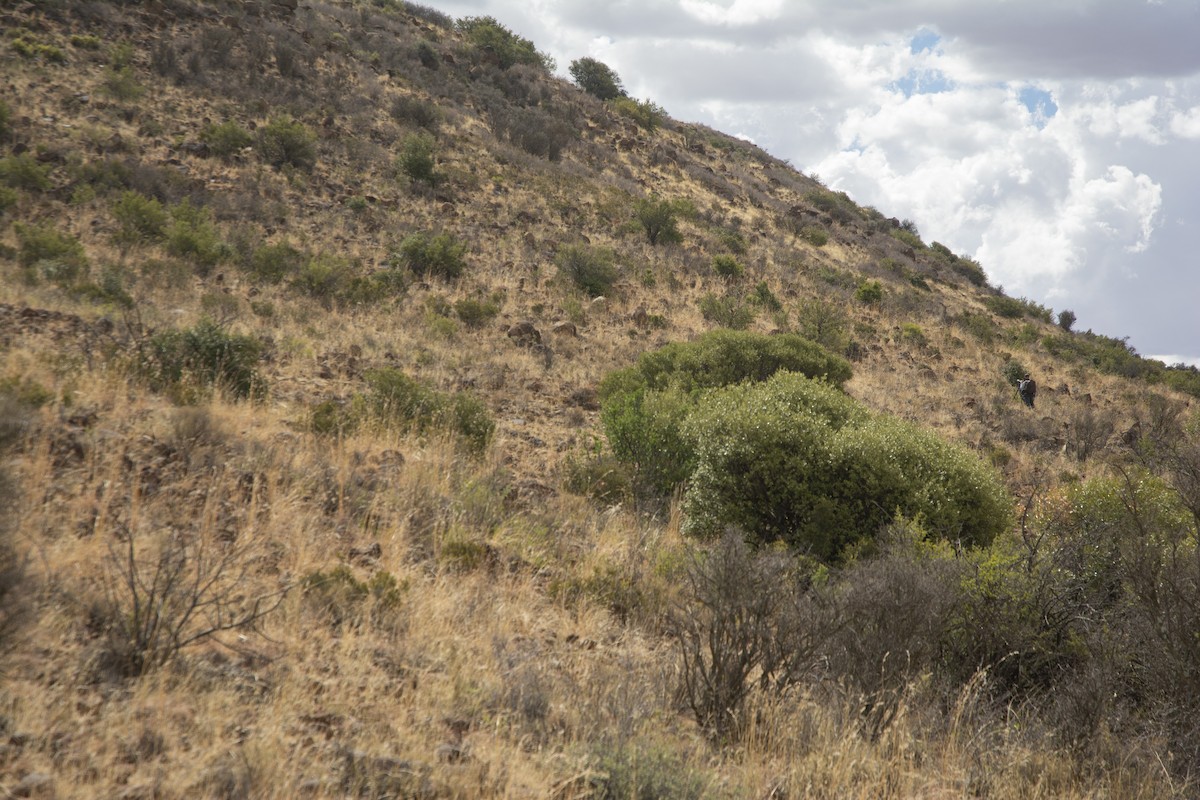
(524, 334)
(35, 784)
(565, 329)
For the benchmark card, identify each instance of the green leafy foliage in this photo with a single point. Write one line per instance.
(728, 311)
(869, 293)
(191, 361)
(24, 172)
(286, 142)
(45, 252)
(140, 219)
(395, 398)
(592, 270)
(797, 461)
(438, 256)
(415, 160)
(727, 266)
(226, 139)
(193, 236)
(643, 407)
(596, 78)
(493, 42)
(645, 114)
(659, 219)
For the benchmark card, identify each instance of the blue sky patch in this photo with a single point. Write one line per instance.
(1040, 104)
(923, 40)
(926, 81)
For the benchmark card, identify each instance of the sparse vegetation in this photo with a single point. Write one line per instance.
(524, 541)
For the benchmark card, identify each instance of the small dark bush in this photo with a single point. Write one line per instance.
(396, 398)
(728, 311)
(49, 253)
(439, 256)
(1066, 319)
(275, 262)
(591, 269)
(140, 219)
(227, 139)
(869, 293)
(476, 313)
(659, 219)
(191, 235)
(342, 599)
(727, 266)
(534, 131)
(494, 43)
(190, 361)
(286, 142)
(596, 78)
(604, 478)
(412, 110)
(24, 172)
(415, 160)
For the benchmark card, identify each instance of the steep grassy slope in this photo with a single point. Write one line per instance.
(375, 233)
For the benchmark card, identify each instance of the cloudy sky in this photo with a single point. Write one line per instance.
(1056, 141)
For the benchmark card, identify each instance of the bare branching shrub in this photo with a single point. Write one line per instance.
(1087, 431)
(162, 593)
(898, 610)
(748, 622)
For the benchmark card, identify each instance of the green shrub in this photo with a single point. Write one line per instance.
(325, 278)
(659, 219)
(46, 252)
(1013, 371)
(6, 116)
(869, 292)
(274, 262)
(476, 313)
(763, 296)
(24, 172)
(28, 48)
(8, 199)
(596, 78)
(287, 142)
(724, 358)
(644, 431)
(728, 311)
(727, 266)
(416, 159)
(86, 41)
(909, 238)
(494, 42)
(1066, 319)
(823, 323)
(971, 270)
(591, 269)
(913, 334)
(795, 460)
(412, 110)
(646, 114)
(122, 84)
(395, 398)
(1007, 307)
(191, 235)
(139, 218)
(226, 139)
(643, 407)
(188, 362)
(817, 237)
(439, 256)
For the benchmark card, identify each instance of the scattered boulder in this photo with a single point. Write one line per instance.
(524, 334)
(565, 329)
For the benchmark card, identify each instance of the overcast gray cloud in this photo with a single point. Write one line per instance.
(1054, 142)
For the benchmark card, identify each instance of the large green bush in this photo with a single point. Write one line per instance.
(723, 358)
(644, 406)
(45, 252)
(659, 218)
(795, 460)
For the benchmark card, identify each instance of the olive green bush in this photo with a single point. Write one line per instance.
(396, 399)
(189, 362)
(592, 270)
(438, 256)
(286, 142)
(795, 460)
(596, 78)
(643, 407)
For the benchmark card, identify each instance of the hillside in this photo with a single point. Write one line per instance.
(306, 313)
